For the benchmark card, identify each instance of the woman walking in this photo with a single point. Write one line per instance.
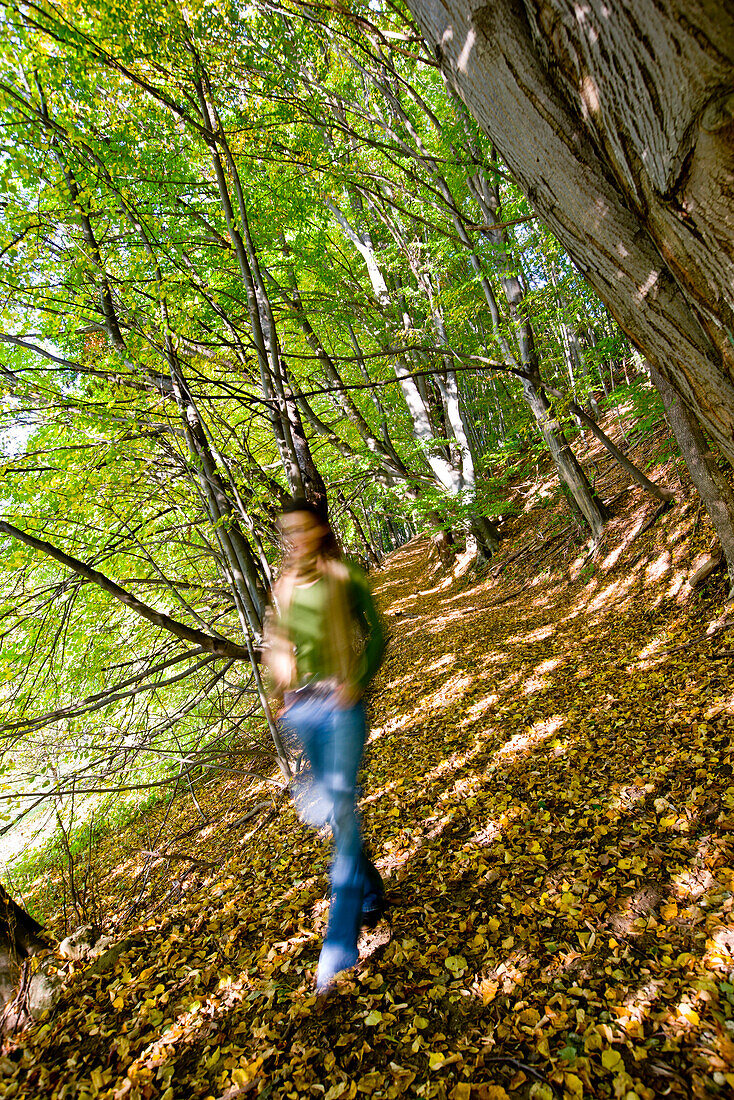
(323, 644)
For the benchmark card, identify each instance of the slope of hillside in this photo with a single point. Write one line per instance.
(548, 792)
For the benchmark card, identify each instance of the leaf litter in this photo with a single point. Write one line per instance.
(548, 793)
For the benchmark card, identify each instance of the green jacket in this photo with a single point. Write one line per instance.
(305, 622)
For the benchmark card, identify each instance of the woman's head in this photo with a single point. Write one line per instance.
(306, 532)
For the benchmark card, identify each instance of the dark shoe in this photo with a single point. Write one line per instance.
(371, 917)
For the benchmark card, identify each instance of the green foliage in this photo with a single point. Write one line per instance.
(153, 161)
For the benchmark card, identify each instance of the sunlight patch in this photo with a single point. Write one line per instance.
(539, 732)
(538, 635)
(647, 286)
(677, 583)
(549, 665)
(486, 835)
(656, 570)
(442, 662)
(538, 680)
(651, 649)
(534, 683)
(451, 691)
(478, 709)
(466, 49)
(612, 591)
(612, 558)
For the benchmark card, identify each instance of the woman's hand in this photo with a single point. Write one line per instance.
(347, 695)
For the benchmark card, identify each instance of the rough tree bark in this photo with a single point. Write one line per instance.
(618, 122)
(712, 485)
(20, 936)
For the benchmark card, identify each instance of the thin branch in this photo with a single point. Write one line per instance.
(218, 646)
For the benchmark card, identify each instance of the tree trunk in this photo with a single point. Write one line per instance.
(369, 549)
(571, 472)
(582, 497)
(644, 482)
(713, 487)
(386, 455)
(617, 122)
(20, 936)
(235, 547)
(442, 542)
(304, 477)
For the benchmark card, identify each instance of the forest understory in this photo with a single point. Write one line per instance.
(548, 794)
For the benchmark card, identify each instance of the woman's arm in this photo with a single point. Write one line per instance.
(278, 654)
(369, 620)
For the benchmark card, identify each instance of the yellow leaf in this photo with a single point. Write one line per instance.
(420, 1022)
(592, 1041)
(373, 1018)
(462, 1091)
(435, 1060)
(530, 1017)
(369, 1082)
(611, 1060)
(336, 1091)
(457, 964)
(489, 991)
(573, 1084)
(403, 1078)
(669, 911)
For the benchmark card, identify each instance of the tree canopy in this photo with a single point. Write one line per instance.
(249, 251)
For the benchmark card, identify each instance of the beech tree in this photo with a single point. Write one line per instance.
(617, 121)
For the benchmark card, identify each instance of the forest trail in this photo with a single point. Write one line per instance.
(548, 793)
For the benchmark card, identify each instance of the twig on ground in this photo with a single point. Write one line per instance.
(664, 507)
(179, 857)
(268, 804)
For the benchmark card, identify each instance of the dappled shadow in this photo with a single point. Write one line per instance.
(549, 804)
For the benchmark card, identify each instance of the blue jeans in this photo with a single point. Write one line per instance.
(333, 739)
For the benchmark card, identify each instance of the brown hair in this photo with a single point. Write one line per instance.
(329, 547)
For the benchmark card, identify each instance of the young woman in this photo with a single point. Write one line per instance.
(323, 644)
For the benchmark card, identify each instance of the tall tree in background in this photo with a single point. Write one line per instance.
(618, 122)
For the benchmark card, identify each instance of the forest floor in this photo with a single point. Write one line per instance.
(548, 793)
